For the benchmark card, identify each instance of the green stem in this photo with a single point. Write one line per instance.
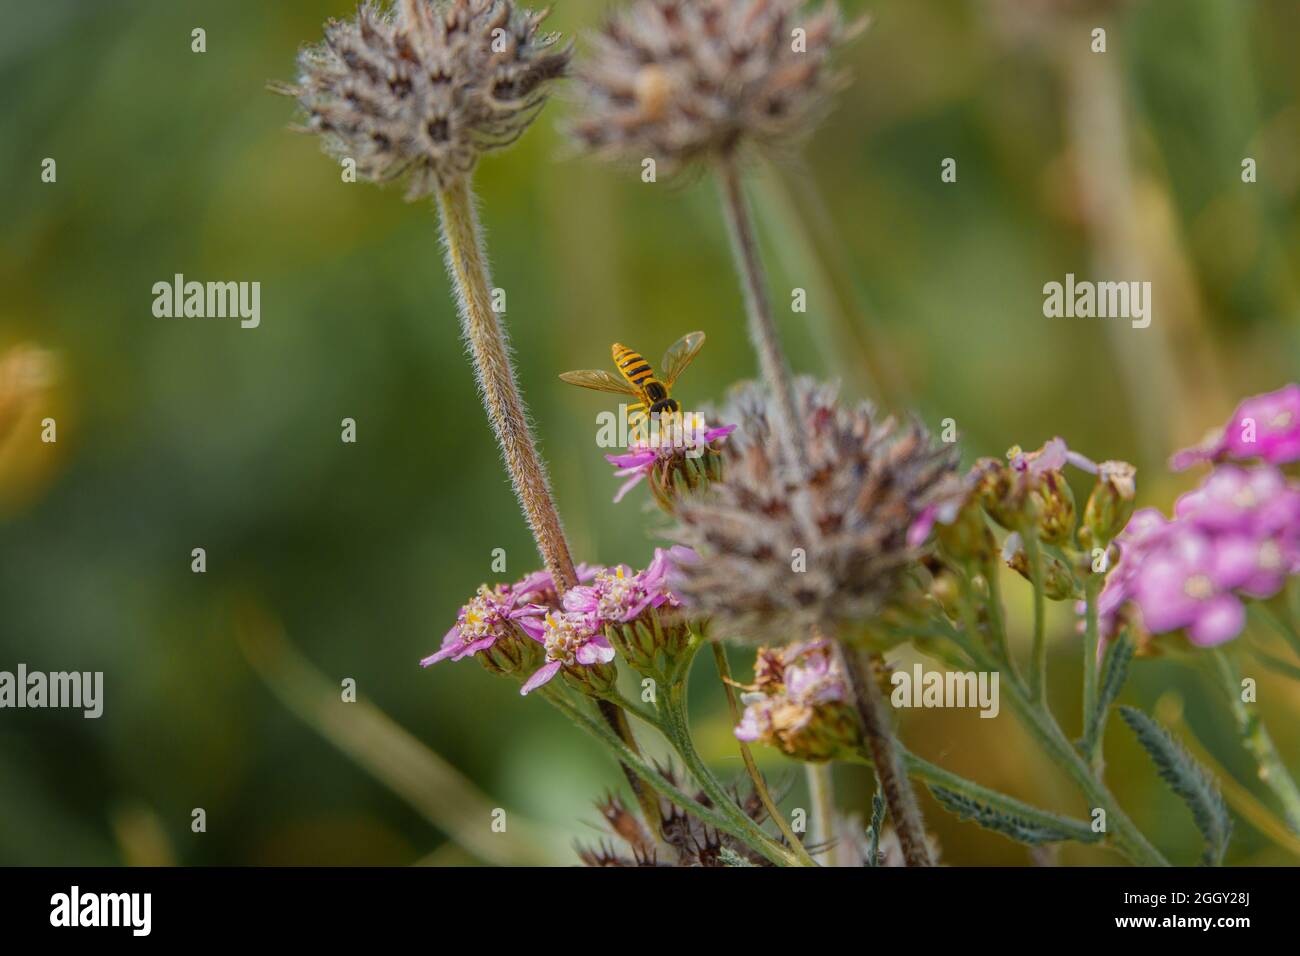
(821, 791)
(677, 729)
(760, 785)
(716, 817)
(1255, 737)
(758, 310)
(858, 667)
(1038, 659)
(1125, 836)
(920, 769)
(1091, 642)
(997, 620)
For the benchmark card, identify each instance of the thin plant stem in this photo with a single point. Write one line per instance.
(1038, 656)
(677, 728)
(758, 309)
(726, 817)
(1034, 715)
(859, 667)
(998, 621)
(462, 237)
(821, 791)
(760, 785)
(1257, 741)
(922, 770)
(1091, 641)
(489, 348)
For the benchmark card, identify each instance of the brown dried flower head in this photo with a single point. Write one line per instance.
(687, 841)
(675, 80)
(780, 557)
(423, 89)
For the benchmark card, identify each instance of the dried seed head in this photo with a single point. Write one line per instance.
(687, 840)
(780, 556)
(421, 90)
(674, 80)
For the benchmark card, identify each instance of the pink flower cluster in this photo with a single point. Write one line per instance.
(1236, 536)
(1264, 426)
(640, 459)
(571, 630)
(615, 596)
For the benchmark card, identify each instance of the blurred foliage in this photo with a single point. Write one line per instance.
(183, 433)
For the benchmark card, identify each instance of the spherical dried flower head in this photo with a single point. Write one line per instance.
(779, 555)
(423, 89)
(675, 80)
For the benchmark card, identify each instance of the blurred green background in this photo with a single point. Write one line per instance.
(183, 433)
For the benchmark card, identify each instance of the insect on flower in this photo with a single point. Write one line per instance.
(653, 394)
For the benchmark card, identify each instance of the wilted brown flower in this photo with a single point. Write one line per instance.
(780, 556)
(422, 89)
(686, 840)
(676, 79)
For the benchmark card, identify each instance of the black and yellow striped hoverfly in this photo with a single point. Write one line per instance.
(653, 394)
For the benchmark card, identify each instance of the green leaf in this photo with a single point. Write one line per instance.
(873, 832)
(1188, 779)
(1031, 832)
(1114, 673)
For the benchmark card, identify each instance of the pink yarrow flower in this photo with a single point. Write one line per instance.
(1236, 536)
(571, 639)
(638, 462)
(1263, 427)
(493, 614)
(617, 595)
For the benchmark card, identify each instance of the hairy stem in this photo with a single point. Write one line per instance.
(489, 348)
(859, 666)
(1257, 741)
(462, 237)
(758, 309)
(760, 785)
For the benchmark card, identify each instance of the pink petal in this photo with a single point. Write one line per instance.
(540, 677)
(1221, 619)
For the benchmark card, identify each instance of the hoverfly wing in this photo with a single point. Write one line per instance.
(599, 380)
(680, 355)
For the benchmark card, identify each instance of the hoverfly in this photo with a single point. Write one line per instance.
(639, 380)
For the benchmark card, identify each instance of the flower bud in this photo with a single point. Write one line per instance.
(594, 680)
(1111, 503)
(1000, 491)
(967, 539)
(1056, 512)
(1058, 582)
